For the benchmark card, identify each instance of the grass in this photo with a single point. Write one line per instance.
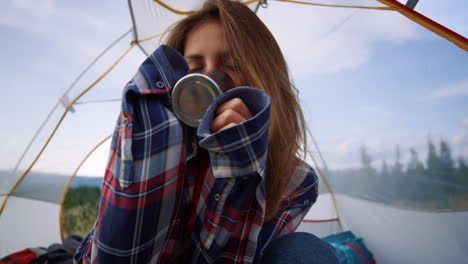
(80, 210)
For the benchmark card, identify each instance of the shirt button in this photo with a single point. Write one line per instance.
(217, 197)
(125, 121)
(160, 84)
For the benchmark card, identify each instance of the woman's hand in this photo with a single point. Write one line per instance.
(229, 114)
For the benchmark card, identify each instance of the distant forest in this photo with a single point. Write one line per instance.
(439, 182)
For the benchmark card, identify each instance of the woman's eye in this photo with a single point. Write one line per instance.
(196, 70)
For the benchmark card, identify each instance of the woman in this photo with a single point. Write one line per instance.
(227, 191)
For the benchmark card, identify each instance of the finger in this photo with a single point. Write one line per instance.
(237, 105)
(226, 117)
(228, 126)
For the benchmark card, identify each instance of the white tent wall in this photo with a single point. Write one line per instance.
(323, 209)
(322, 219)
(31, 214)
(394, 235)
(339, 41)
(28, 223)
(319, 229)
(406, 236)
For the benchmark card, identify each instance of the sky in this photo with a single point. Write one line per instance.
(364, 77)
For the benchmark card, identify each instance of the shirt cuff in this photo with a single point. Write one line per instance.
(240, 150)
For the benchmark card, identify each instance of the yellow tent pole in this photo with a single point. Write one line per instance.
(327, 186)
(391, 5)
(67, 187)
(99, 101)
(181, 12)
(12, 190)
(148, 38)
(74, 101)
(341, 6)
(173, 10)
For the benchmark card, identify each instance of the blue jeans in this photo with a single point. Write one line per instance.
(299, 248)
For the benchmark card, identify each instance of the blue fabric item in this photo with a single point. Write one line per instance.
(57, 254)
(346, 254)
(72, 242)
(298, 248)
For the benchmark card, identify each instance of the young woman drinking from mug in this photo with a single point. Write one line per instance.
(232, 190)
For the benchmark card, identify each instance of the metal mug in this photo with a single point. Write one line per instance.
(193, 93)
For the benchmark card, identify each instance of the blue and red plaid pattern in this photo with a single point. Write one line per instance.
(148, 189)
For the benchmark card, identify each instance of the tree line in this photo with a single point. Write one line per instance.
(438, 165)
(435, 182)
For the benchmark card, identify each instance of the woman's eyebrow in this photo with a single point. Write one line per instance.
(194, 57)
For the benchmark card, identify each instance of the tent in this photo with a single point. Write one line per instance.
(339, 51)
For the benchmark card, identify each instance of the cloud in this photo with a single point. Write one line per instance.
(373, 109)
(346, 147)
(453, 90)
(72, 37)
(61, 42)
(331, 40)
(451, 14)
(80, 31)
(459, 143)
(465, 122)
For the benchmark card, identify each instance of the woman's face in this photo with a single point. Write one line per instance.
(206, 51)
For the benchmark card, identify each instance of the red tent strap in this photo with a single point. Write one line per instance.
(358, 251)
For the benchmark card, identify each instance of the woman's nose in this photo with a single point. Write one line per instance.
(211, 66)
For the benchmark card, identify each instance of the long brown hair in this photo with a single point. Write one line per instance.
(252, 45)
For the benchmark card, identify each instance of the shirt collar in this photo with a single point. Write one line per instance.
(160, 71)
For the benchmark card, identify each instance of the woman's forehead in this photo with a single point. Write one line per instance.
(206, 39)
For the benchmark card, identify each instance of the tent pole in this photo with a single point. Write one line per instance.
(12, 190)
(66, 92)
(142, 49)
(132, 16)
(258, 6)
(324, 179)
(67, 187)
(431, 25)
(134, 28)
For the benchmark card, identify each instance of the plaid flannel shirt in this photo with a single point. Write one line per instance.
(148, 188)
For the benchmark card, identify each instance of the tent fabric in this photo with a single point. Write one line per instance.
(16, 189)
(394, 231)
(396, 235)
(28, 223)
(433, 26)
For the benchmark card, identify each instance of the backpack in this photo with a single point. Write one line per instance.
(54, 254)
(350, 249)
(28, 256)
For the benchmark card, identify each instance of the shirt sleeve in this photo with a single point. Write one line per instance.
(294, 207)
(141, 186)
(240, 150)
(232, 205)
(238, 160)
